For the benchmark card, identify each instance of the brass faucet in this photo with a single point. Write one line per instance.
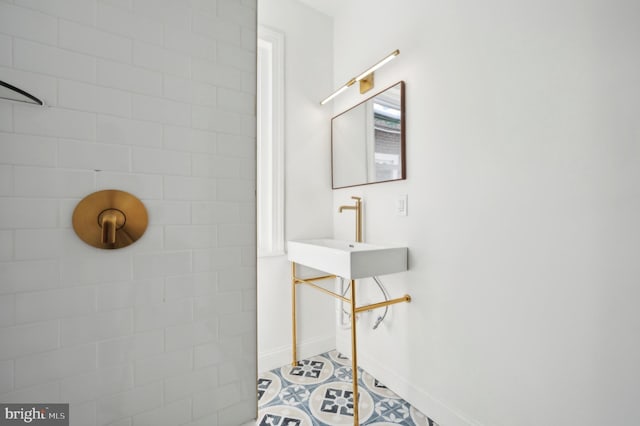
(358, 209)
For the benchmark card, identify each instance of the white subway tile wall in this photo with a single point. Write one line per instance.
(137, 27)
(5, 50)
(6, 118)
(46, 87)
(115, 130)
(52, 61)
(7, 308)
(129, 77)
(49, 392)
(153, 97)
(100, 382)
(27, 23)
(6, 376)
(157, 58)
(28, 149)
(75, 10)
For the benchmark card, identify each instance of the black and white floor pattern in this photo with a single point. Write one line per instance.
(318, 392)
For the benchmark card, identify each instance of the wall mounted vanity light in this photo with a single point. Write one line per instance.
(365, 78)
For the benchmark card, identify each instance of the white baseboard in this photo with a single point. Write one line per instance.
(419, 398)
(282, 356)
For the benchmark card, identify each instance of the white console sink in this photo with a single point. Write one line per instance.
(348, 259)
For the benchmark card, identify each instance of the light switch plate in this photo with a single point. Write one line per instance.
(401, 205)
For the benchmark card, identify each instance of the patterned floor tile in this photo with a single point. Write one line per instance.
(318, 392)
(281, 415)
(332, 404)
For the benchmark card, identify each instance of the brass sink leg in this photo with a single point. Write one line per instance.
(293, 312)
(354, 355)
(354, 310)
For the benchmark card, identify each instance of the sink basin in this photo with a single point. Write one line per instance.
(348, 259)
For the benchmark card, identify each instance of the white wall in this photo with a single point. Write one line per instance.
(155, 98)
(523, 166)
(308, 77)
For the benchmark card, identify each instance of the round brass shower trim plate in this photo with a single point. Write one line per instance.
(95, 217)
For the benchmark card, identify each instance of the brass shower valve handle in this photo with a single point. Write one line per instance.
(110, 221)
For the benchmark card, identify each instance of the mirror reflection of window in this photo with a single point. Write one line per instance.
(367, 140)
(387, 129)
